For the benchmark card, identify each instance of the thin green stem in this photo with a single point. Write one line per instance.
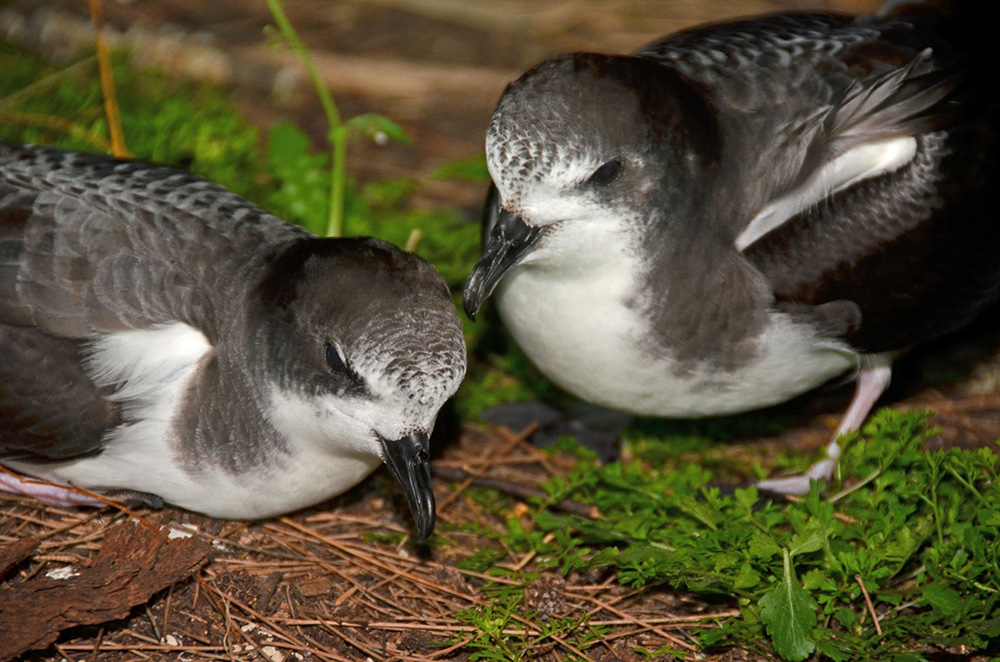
(968, 485)
(854, 488)
(337, 135)
(338, 182)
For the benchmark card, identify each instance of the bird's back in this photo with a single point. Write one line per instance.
(915, 247)
(90, 247)
(90, 244)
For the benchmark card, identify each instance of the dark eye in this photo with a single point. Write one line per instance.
(334, 359)
(607, 173)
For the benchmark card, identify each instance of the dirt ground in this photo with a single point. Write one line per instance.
(342, 581)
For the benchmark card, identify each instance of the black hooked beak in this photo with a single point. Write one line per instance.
(509, 241)
(409, 461)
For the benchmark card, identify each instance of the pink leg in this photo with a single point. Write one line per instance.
(44, 491)
(872, 382)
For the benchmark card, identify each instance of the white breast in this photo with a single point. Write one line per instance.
(149, 370)
(565, 306)
(569, 316)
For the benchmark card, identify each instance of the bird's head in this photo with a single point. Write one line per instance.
(363, 348)
(581, 148)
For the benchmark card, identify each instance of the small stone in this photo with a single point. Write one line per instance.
(62, 573)
(183, 531)
(272, 653)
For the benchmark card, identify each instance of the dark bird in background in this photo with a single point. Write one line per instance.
(741, 212)
(162, 337)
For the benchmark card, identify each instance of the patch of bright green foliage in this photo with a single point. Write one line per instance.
(919, 531)
(164, 121)
(506, 631)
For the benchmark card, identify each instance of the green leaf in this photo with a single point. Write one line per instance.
(286, 143)
(991, 628)
(806, 542)
(833, 649)
(789, 613)
(943, 599)
(480, 561)
(814, 579)
(763, 546)
(746, 498)
(747, 577)
(845, 617)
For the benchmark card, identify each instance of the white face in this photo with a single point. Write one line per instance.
(344, 426)
(555, 196)
(399, 398)
(585, 228)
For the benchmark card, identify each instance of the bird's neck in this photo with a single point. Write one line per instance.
(703, 295)
(222, 415)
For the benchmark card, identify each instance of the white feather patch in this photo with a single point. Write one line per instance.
(861, 162)
(146, 367)
(149, 369)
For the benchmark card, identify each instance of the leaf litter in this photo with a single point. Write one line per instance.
(345, 583)
(548, 555)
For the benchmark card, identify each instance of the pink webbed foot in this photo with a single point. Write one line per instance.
(43, 491)
(872, 381)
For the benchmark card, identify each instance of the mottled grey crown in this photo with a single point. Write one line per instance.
(388, 311)
(588, 107)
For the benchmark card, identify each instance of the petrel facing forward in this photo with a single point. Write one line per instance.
(741, 212)
(160, 335)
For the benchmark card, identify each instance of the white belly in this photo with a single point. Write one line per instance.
(151, 369)
(578, 331)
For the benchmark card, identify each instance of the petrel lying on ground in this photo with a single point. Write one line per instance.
(741, 212)
(162, 337)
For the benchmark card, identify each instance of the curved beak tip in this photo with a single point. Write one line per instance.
(409, 463)
(472, 301)
(424, 521)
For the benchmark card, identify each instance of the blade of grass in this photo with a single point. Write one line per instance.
(337, 135)
(118, 148)
(46, 84)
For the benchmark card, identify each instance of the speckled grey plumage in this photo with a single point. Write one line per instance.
(728, 117)
(92, 248)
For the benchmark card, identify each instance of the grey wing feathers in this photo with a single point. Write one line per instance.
(49, 408)
(903, 102)
(895, 103)
(906, 234)
(92, 244)
(812, 86)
